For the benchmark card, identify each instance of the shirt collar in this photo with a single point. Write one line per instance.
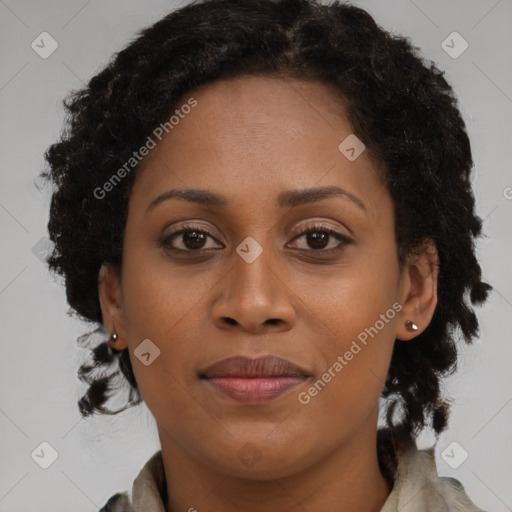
(416, 484)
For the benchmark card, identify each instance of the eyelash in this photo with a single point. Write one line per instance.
(317, 228)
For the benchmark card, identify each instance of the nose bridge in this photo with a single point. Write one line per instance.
(254, 264)
(255, 248)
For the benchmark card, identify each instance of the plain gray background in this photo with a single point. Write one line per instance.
(39, 388)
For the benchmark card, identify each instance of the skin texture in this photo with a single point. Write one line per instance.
(249, 139)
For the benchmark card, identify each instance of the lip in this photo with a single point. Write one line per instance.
(254, 381)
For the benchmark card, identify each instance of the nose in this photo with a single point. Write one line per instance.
(255, 297)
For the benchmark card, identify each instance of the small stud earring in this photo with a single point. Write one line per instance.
(113, 337)
(411, 326)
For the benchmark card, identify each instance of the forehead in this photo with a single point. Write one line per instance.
(261, 96)
(251, 135)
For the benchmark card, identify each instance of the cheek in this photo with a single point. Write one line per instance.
(354, 369)
(156, 296)
(357, 310)
(155, 308)
(353, 297)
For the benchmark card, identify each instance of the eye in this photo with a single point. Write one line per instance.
(191, 238)
(318, 238)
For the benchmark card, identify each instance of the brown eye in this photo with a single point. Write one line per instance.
(319, 237)
(194, 239)
(188, 238)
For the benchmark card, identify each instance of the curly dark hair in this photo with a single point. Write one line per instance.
(399, 105)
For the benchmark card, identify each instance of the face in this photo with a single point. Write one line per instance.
(239, 275)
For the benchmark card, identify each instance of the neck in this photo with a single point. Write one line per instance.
(346, 479)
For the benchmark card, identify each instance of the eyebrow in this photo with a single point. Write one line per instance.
(289, 198)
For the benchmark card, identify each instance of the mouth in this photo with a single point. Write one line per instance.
(254, 381)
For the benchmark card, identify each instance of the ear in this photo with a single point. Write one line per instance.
(109, 293)
(418, 290)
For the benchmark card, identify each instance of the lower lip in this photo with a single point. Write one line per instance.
(255, 390)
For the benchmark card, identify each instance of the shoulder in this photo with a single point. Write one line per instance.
(419, 488)
(445, 491)
(119, 502)
(148, 492)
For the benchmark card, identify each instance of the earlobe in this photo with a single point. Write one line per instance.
(418, 291)
(109, 294)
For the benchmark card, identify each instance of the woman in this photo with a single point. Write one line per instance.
(266, 206)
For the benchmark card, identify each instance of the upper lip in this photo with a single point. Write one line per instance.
(265, 366)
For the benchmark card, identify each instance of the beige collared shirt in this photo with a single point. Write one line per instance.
(417, 488)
